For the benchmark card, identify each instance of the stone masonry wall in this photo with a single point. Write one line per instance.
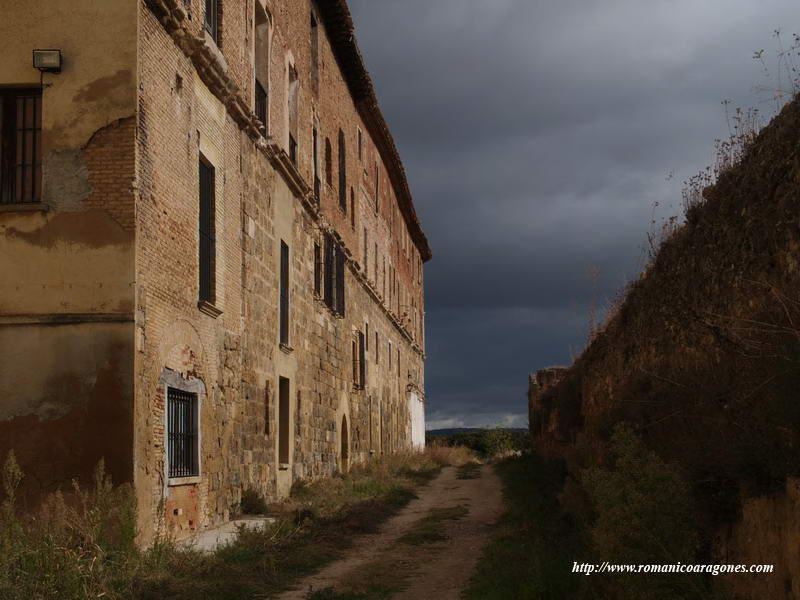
(233, 360)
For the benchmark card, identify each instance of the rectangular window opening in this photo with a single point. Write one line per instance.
(20, 146)
(182, 434)
(284, 409)
(284, 295)
(212, 20)
(208, 251)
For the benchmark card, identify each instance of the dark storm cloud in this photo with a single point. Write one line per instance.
(538, 136)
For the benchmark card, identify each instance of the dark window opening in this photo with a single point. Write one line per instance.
(342, 172)
(356, 377)
(262, 57)
(206, 232)
(20, 146)
(212, 19)
(335, 263)
(317, 269)
(261, 103)
(284, 295)
(377, 187)
(292, 149)
(328, 162)
(315, 161)
(283, 420)
(294, 85)
(182, 438)
(267, 419)
(352, 209)
(362, 361)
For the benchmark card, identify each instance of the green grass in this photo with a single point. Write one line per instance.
(88, 552)
(531, 554)
(430, 529)
(470, 470)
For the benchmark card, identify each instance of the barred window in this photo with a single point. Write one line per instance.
(212, 19)
(20, 146)
(182, 438)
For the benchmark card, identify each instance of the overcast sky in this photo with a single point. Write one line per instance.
(538, 135)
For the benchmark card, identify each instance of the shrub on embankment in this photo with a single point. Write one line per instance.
(702, 358)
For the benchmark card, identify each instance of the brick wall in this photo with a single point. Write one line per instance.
(236, 355)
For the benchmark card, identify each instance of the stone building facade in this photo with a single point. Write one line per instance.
(217, 284)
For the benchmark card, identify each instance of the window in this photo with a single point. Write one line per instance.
(352, 209)
(398, 362)
(342, 172)
(212, 20)
(182, 438)
(314, 53)
(366, 251)
(377, 349)
(359, 360)
(356, 361)
(317, 269)
(20, 146)
(284, 407)
(328, 162)
(267, 413)
(360, 138)
(206, 232)
(377, 187)
(315, 162)
(389, 354)
(284, 293)
(335, 263)
(263, 25)
(361, 366)
(292, 92)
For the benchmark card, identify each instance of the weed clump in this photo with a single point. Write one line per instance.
(643, 515)
(252, 503)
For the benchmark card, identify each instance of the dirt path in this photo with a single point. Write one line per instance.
(428, 550)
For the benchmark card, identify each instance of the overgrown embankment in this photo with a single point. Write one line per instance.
(702, 359)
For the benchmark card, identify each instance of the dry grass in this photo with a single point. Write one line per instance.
(444, 455)
(81, 546)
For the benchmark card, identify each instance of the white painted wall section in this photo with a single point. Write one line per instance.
(417, 408)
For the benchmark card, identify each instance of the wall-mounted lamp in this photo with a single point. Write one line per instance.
(47, 61)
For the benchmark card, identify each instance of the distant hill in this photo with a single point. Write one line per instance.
(455, 430)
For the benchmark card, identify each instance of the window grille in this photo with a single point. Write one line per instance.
(292, 149)
(261, 103)
(212, 19)
(20, 146)
(182, 438)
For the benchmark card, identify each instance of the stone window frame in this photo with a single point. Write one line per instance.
(192, 385)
